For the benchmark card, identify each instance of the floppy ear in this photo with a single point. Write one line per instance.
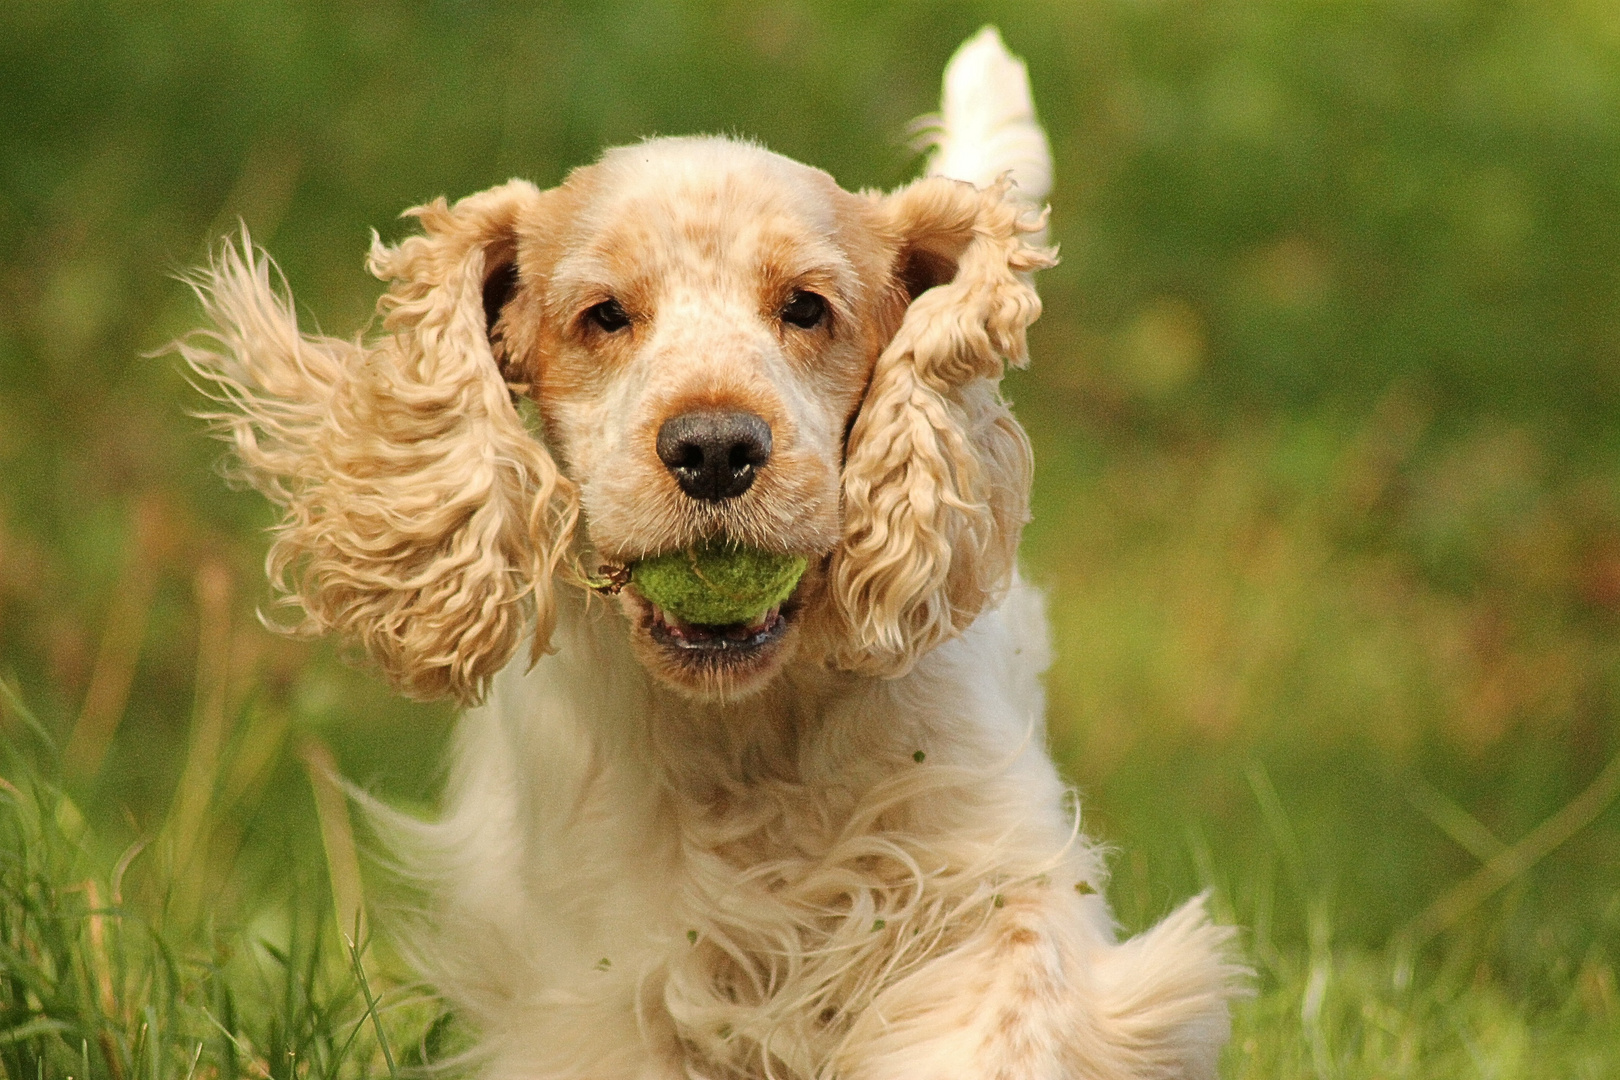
(937, 471)
(420, 517)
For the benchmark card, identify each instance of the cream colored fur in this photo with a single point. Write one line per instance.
(846, 855)
(419, 511)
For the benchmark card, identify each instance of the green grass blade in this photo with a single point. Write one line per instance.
(371, 1007)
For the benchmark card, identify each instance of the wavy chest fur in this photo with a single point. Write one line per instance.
(737, 884)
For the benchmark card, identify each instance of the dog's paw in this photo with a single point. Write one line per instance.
(1163, 996)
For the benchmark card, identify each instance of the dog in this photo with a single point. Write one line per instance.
(828, 843)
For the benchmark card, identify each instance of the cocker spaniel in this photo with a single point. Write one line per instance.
(824, 842)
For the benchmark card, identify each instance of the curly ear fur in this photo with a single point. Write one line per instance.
(936, 477)
(420, 517)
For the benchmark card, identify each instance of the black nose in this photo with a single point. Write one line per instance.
(714, 455)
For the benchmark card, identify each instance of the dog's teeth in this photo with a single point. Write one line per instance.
(765, 618)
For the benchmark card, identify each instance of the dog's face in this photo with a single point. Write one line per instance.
(698, 321)
(722, 344)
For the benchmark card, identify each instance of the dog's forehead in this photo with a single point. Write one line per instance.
(666, 209)
(716, 175)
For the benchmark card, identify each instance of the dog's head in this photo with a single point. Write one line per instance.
(722, 344)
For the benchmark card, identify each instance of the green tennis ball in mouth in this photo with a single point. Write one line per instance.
(717, 584)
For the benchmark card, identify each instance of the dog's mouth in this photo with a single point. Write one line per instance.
(743, 639)
(726, 660)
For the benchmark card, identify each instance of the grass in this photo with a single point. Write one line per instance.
(1313, 667)
(106, 971)
(119, 972)
(1328, 505)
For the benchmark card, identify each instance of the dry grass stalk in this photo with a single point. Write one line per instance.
(1513, 861)
(337, 836)
(188, 827)
(113, 673)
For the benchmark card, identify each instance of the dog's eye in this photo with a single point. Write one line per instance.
(805, 310)
(608, 315)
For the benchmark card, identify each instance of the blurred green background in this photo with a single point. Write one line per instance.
(1325, 408)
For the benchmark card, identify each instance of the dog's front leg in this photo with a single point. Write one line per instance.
(1041, 994)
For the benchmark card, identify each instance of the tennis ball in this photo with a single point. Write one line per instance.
(717, 584)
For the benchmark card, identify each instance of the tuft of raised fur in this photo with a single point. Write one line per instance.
(986, 126)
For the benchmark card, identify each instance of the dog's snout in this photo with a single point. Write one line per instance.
(713, 454)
